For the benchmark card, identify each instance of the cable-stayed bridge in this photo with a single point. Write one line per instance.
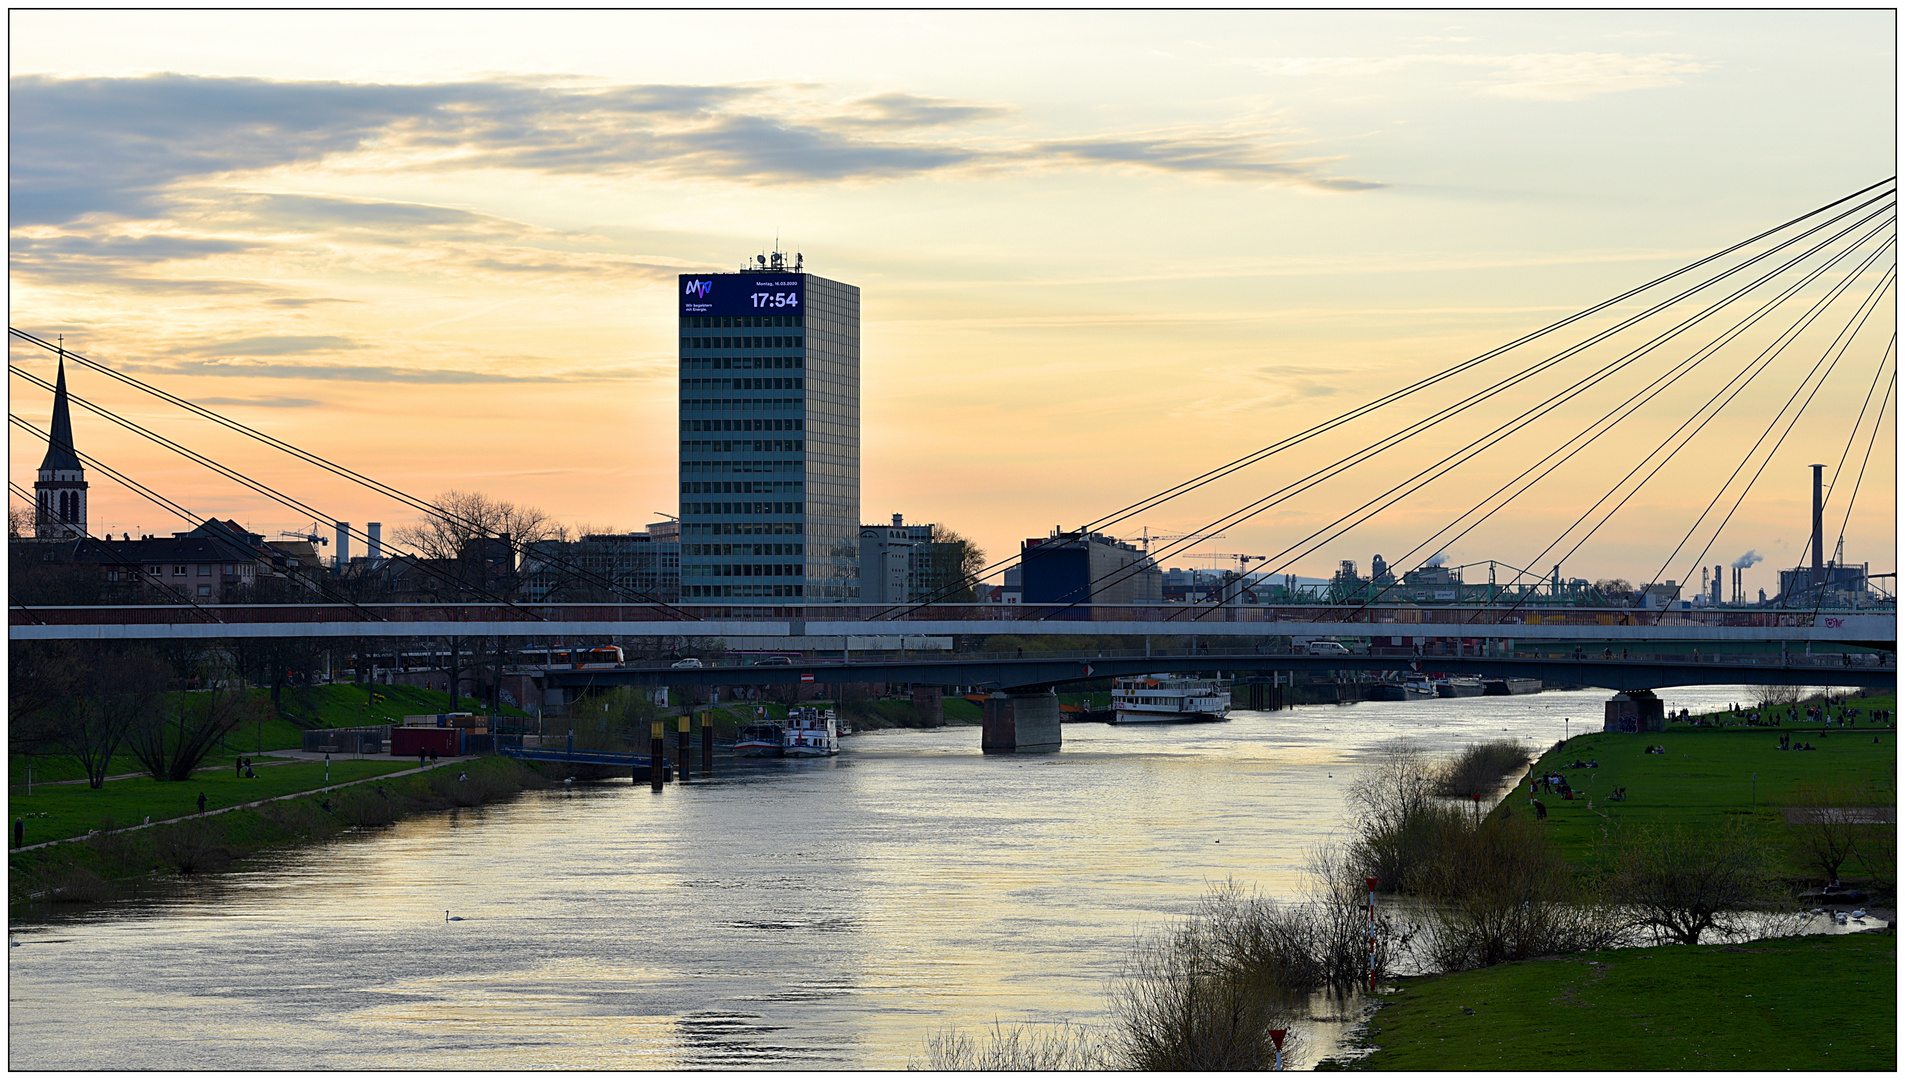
(1720, 362)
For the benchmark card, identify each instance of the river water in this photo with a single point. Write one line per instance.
(789, 914)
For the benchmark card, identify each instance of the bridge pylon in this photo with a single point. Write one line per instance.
(1023, 720)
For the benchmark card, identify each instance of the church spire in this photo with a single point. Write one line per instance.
(59, 451)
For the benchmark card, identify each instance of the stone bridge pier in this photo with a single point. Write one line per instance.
(1022, 721)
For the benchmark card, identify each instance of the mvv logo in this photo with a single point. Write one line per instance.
(698, 288)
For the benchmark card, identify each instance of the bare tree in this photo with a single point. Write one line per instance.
(86, 701)
(1828, 822)
(1681, 884)
(21, 521)
(1395, 810)
(469, 517)
(171, 746)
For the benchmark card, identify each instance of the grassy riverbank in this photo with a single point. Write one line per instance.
(1813, 1003)
(111, 864)
(303, 708)
(55, 812)
(1710, 776)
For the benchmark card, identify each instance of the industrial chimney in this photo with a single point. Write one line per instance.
(376, 540)
(343, 544)
(1818, 525)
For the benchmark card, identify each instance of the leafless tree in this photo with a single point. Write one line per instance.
(21, 520)
(1828, 821)
(954, 563)
(86, 700)
(171, 742)
(1681, 884)
(470, 516)
(1393, 799)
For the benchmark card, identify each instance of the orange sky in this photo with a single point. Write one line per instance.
(1098, 252)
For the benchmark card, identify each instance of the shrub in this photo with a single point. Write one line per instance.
(1206, 993)
(1681, 884)
(1019, 1048)
(1477, 771)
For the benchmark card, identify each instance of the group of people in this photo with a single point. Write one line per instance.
(243, 765)
(1786, 743)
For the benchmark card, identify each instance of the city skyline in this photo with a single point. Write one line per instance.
(1097, 255)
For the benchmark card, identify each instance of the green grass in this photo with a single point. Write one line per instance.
(1814, 1003)
(304, 708)
(1703, 781)
(74, 809)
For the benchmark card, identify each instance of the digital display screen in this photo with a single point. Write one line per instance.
(743, 294)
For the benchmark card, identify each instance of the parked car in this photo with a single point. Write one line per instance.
(692, 661)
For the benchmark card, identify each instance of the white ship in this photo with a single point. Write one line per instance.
(1154, 699)
(810, 733)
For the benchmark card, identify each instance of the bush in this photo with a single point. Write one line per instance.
(1020, 1048)
(1477, 771)
(1207, 993)
(1681, 884)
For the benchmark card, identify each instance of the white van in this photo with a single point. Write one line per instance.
(1326, 647)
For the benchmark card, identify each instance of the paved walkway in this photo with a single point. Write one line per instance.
(259, 802)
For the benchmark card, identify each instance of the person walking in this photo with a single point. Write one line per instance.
(201, 802)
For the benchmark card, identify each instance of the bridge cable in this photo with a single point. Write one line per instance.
(1758, 366)
(1474, 449)
(1877, 422)
(1641, 398)
(258, 486)
(1844, 342)
(1235, 517)
(415, 503)
(1700, 559)
(81, 540)
(171, 507)
(1170, 493)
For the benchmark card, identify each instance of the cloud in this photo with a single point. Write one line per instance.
(127, 147)
(897, 110)
(1231, 157)
(379, 373)
(1530, 76)
(277, 346)
(262, 402)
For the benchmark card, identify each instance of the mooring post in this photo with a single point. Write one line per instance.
(707, 745)
(682, 736)
(657, 762)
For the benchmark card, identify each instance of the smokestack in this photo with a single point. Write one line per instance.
(343, 544)
(1818, 525)
(376, 539)
(1717, 595)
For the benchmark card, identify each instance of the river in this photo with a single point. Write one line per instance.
(789, 914)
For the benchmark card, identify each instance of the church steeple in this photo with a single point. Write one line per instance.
(60, 492)
(59, 452)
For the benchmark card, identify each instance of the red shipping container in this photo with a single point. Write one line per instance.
(407, 741)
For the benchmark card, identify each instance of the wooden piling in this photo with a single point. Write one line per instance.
(657, 759)
(707, 745)
(682, 736)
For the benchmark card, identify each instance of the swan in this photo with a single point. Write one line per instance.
(447, 917)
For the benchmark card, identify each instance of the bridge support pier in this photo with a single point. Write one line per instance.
(1022, 721)
(1636, 712)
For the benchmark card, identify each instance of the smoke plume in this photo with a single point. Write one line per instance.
(1747, 560)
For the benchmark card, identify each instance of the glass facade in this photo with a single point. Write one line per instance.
(770, 447)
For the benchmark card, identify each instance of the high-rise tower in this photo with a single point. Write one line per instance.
(60, 491)
(770, 436)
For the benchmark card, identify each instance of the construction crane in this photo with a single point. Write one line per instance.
(1147, 539)
(313, 537)
(1243, 561)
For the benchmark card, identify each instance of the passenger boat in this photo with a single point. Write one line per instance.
(810, 733)
(1153, 699)
(758, 740)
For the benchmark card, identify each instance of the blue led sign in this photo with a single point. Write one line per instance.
(743, 294)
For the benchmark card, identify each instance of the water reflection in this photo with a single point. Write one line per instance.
(816, 914)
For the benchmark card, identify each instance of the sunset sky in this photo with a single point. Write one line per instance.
(1098, 252)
